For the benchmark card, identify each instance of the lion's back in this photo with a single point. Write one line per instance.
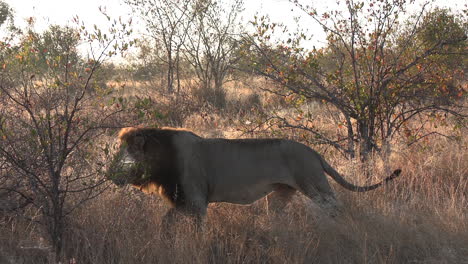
(250, 165)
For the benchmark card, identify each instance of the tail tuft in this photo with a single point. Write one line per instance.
(395, 174)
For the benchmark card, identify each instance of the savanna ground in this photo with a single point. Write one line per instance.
(421, 217)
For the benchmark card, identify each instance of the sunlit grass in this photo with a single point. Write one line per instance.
(420, 217)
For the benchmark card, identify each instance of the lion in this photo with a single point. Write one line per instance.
(190, 171)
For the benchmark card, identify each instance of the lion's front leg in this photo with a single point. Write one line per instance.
(187, 213)
(169, 218)
(168, 224)
(195, 212)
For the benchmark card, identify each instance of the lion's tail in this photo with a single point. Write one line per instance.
(339, 179)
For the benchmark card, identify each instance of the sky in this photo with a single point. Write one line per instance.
(61, 12)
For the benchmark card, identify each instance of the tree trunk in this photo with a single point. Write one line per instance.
(57, 236)
(178, 72)
(56, 228)
(385, 156)
(218, 85)
(365, 141)
(349, 125)
(170, 73)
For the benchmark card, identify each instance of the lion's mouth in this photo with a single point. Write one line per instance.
(129, 172)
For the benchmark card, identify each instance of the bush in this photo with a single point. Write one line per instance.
(214, 97)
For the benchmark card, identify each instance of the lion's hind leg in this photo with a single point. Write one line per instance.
(321, 194)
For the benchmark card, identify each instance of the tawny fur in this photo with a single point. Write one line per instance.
(190, 171)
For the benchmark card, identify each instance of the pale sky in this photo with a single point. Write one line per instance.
(47, 12)
(61, 11)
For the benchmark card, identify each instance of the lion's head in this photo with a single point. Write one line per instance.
(129, 164)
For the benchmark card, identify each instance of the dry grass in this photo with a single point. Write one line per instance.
(420, 218)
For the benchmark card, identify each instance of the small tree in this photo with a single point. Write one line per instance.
(49, 125)
(378, 72)
(5, 13)
(166, 24)
(147, 63)
(211, 44)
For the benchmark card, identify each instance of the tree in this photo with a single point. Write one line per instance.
(371, 71)
(147, 62)
(49, 123)
(166, 23)
(57, 44)
(5, 13)
(211, 44)
(448, 66)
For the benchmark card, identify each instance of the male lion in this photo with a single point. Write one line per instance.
(190, 171)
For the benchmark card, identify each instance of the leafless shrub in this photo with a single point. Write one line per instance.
(50, 128)
(214, 97)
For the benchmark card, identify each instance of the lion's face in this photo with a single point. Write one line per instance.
(128, 163)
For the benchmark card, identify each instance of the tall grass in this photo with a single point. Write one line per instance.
(419, 218)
